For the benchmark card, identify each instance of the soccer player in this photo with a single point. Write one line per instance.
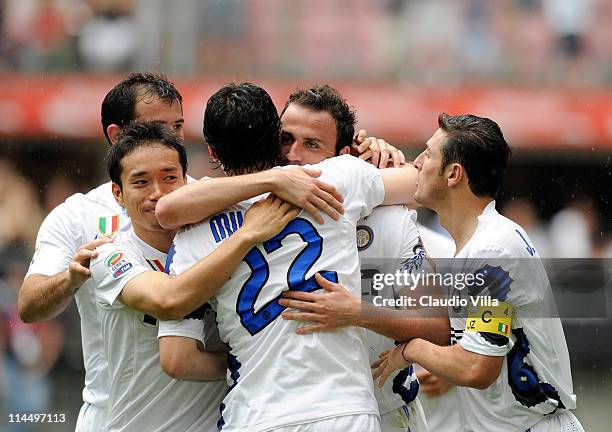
(511, 360)
(281, 381)
(69, 235)
(147, 162)
(318, 124)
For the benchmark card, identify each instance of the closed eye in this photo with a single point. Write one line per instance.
(312, 145)
(286, 138)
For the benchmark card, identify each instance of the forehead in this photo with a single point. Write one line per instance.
(152, 108)
(305, 121)
(150, 158)
(437, 140)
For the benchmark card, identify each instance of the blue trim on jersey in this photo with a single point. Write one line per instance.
(530, 250)
(524, 380)
(496, 280)
(408, 394)
(170, 258)
(234, 367)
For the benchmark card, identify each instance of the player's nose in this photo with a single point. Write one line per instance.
(294, 155)
(418, 161)
(157, 191)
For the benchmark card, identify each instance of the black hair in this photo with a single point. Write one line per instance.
(323, 97)
(119, 105)
(477, 144)
(141, 134)
(242, 126)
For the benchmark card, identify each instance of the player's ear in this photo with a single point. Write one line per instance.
(118, 194)
(454, 174)
(213, 155)
(344, 150)
(113, 132)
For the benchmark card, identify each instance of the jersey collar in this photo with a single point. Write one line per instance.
(488, 212)
(148, 251)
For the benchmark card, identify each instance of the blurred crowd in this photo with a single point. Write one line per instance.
(426, 41)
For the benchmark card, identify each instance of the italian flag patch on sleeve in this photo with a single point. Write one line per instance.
(108, 225)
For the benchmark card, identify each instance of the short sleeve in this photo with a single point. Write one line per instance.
(192, 328)
(186, 250)
(57, 241)
(483, 343)
(492, 306)
(111, 270)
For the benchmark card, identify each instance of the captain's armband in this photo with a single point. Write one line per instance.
(495, 319)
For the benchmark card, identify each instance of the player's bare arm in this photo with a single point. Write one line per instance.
(380, 153)
(199, 200)
(338, 308)
(181, 358)
(43, 297)
(400, 185)
(175, 297)
(452, 363)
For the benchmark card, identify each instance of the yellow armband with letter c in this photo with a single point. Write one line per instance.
(490, 319)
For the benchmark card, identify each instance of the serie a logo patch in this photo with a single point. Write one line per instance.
(118, 264)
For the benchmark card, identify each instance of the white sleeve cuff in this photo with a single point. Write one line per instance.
(190, 328)
(474, 342)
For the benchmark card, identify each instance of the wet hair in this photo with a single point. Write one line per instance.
(477, 144)
(141, 134)
(242, 126)
(326, 98)
(119, 105)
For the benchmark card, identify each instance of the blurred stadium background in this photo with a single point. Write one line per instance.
(541, 68)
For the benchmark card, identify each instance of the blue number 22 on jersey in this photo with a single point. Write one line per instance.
(253, 321)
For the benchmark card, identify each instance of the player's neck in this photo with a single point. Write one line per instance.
(157, 239)
(460, 217)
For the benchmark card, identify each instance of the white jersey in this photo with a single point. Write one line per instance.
(278, 378)
(388, 241)
(535, 379)
(81, 219)
(141, 396)
(436, 245)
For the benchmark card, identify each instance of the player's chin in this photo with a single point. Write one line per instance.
(418, 197)
(154, 225)
(423, 199)
(152, 221)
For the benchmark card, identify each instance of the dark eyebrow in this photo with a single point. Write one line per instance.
(160, 122)
(137, 174)
(141, 173)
